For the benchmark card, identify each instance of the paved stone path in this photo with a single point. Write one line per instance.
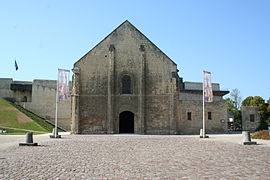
(135, 157)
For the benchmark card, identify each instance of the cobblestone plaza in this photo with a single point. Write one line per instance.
(135, 157)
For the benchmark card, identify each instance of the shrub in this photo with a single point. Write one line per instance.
(264, 134)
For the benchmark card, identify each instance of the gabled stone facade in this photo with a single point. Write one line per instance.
(126, 84)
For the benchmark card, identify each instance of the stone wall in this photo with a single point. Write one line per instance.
(125, 52)
(40, 100)
(247, 120)
(5, 91)
(198, 86)
(43, 103)
(218, 122)
(18, 95)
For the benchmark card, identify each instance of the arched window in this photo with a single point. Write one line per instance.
(126, 84)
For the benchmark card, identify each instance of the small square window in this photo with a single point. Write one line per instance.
(189, 115)
(252, 118)
(209, 115)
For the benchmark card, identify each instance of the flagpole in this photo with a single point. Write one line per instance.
(56, 107)
(203, 134)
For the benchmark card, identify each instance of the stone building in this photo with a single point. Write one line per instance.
(250, 118)
(126, 84)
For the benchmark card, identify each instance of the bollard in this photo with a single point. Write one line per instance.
(201, 134)
(55, 133)
(29, 137)
(28, 140)
(247, 139)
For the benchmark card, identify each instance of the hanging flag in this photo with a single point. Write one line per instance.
(207, 87)
(16, 65)
(63, 85)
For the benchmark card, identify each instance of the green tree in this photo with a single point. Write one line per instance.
(230, 105)
(247, 101)
(268, 106)
(236, 98)
(233, 106)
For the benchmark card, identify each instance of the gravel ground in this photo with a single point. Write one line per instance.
(135, 157)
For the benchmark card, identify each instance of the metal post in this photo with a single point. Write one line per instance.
(56, 104)
(203, 133)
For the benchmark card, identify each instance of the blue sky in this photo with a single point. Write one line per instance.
(230, 38)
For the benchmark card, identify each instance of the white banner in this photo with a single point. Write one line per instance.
(207, 87)
(63, 85)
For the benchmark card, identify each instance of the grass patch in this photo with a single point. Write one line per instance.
(264, 134)
(36, 118)
(4, 103)
(48, 127)
(8, 118)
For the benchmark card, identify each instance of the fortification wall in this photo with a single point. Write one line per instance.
(216, 121)
(5, 91)
(43, 103)
(198, 86)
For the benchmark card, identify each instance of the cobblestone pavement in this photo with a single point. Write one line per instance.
(135, 157)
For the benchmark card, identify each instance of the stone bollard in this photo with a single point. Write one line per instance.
(29, 137)
(28, 140)
(55, 133)
(247, 139)
(201, 134)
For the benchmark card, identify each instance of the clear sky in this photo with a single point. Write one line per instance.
(230, 38)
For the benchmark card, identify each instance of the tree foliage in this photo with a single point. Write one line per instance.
(247, 101)
(236, 98)
(233, 106)
(268, 106)
(230, 105)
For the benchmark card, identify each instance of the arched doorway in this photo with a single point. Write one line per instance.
(126, 122)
